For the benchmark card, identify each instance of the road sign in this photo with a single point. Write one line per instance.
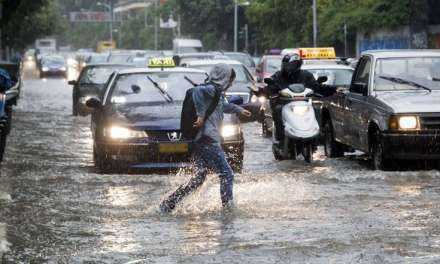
(90, 17)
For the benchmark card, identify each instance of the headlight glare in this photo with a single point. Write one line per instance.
(408, 122)
(45, 68)
(230, 131)
(63, 68)
(116, 132)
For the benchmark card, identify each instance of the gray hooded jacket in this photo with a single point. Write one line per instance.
(203, 96)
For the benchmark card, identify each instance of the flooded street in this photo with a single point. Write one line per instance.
(56, 208)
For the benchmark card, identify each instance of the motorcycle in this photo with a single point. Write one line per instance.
(301, 128)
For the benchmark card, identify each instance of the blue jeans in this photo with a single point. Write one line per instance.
(207, 156)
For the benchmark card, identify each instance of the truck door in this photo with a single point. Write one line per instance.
(356, 105)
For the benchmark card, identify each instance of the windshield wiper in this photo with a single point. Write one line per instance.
(190, 81)
(403, 81)
(166, 95)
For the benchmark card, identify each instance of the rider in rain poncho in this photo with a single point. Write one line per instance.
(208, 153)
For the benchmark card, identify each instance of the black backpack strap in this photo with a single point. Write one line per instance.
(213, 104)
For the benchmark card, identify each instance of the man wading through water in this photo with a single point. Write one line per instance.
(208, 153)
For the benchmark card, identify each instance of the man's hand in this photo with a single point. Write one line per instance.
(246, 113)
(199, 122)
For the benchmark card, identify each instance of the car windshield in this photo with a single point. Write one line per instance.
(243, 58)
(242, 74)
(273, 64)
(119, 58)
(407, 74)
(97, 75)
(97, 59)
(137, 88)
(53, 60)
(337, 77)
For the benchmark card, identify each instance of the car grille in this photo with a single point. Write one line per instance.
(430, 122)
(162, 136)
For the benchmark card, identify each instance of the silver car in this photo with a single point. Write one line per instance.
(391, 110)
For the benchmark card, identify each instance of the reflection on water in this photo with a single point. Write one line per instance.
(332, 211)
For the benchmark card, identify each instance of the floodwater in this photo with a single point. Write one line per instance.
(56, 208)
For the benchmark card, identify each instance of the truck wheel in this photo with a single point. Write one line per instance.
(332, 148)
(378, 160)
(308, 152)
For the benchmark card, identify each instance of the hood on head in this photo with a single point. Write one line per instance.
(221, 74)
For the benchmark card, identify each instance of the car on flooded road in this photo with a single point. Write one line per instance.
(391, 110)
(90, 83)
(53, 65)
(136, 121)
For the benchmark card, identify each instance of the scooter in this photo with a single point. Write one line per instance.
(301, 128)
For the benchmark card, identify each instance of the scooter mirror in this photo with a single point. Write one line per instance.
(322, 79)
(297, 88)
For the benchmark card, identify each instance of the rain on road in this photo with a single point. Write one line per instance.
(56, 208)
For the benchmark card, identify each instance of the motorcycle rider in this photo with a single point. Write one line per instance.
(290, 73)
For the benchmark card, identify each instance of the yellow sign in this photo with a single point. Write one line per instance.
(317, 53)
(161, 62)
(105, 45)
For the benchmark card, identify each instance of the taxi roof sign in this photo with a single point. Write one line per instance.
(317, 53)
(166, 62)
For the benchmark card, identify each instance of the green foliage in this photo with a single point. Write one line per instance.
(23, 21)
(212, 21)
(288, 23)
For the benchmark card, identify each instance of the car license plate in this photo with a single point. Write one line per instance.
(173, 147)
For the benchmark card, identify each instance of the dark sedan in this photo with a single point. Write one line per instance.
(90, 82)
(136, 123)
(53, 65)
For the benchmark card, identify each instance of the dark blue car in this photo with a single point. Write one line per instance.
(136, 125)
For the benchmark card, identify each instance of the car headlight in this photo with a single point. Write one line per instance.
(45, 68)
(230, 131)
(300, 109)
(404, 123)
(63, 68)
(83, 100)
(116, 132)
(260, 99)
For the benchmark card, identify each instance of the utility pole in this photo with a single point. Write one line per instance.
(156, 26)
(235, 24)
(111, 21)
(315, 25)
(345, 40)
(246, 36)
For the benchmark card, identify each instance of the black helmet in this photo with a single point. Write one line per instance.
(291, 64)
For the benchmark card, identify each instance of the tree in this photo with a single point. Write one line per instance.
(23, 21)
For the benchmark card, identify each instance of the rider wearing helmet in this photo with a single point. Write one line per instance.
(291, 73)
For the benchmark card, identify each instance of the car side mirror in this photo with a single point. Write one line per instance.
(93, 103)
(136, 89)
(72, 82)
(235, 99)
(269, 81)
(360, 88)
(322, 79)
